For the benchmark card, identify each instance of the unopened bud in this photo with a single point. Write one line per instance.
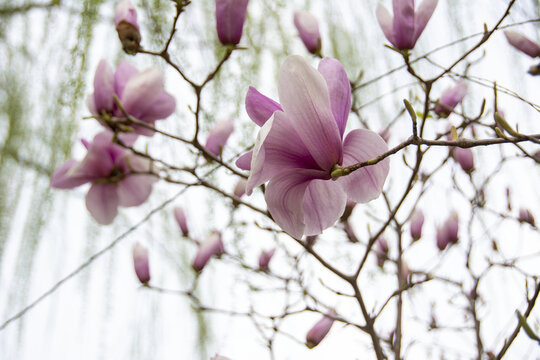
(450, 99)
(465, 158)
(381, 251)
(264, 259)
(213, 245)
(308, 29)
(125, 19)
(417, 221)
(320, 330)
(230, 18)
(140, 263)
(180, 217)
(526, 216)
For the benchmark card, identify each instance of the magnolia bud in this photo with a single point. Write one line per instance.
(417, 221)
(218, 136)
(308, 28)
(125, 19)
(405, 271)
(140, 263)
(522, 43)
(350, 232)
(526, 216)
(180, 217)
(448, 233)
(319, 330)
(264, 259)
(450, 99)
(240, 189)
(381, 251)
(212, 246)
(230, 18)
(465, 158)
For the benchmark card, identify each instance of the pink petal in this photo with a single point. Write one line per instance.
(324, 202)
(308, 29)
(210, 247)
(218, 136)
(285, 198)
(144, 97)
(339, 88)
(102, 203)
(230, 17)
(522, 43)
(61, 178)
(259, 107)
(386, 22)
(304, 97)
(422, 16)
(103, 88)
(364, 184)
(124, 71)
(404, 23)
(125, 11)
(100, 159)
(134, 190)
(451, 98)
(278, 148)
(244, 161)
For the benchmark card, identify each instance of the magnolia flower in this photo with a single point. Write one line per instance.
(125, 20)
(230, 17)
(522, 43)
(525, 215)
(450, 99)
(308, 29)
(298, 148)
(417, 221)
(108, 167)
(404, 29)
(141, 94)
(213, 245)
(465, 158)
(180, 217)
(264, 259)
(448, 233)
(140, 263)
(218, 136)
(320, 330)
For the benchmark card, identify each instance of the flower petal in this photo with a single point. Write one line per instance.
(230, 17)
(522, 43)
(304, 97)
(100, 159)
(103, 88)
(124, 71)
(259, 107)
(102, 202)
(339, 88)
(364, 184)
(278, 148)
(285, 198)
(134, 190)
(324, 202)
(61, 178)
(386, 22)
(144, 97)
(404, 23)
(422, 16)
(244, 161)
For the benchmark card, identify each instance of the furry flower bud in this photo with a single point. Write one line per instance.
(125, 20)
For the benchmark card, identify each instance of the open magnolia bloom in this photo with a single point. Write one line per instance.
(141, 94)
(301, 142)
(114, 173)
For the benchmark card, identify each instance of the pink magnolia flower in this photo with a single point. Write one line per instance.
(525, 215)
(417, 221)
(522, 43)
(141, 94)
(404, 29)
(264, 259)
(140, 263)
(308, 29)
(213, 245)
(448, 233)
(320, 330)
(108, 167)
(218, 136)
(450, 99)
(125, 20)
(299, 147)
(465, 158)
(181, 220)
(230, 17)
